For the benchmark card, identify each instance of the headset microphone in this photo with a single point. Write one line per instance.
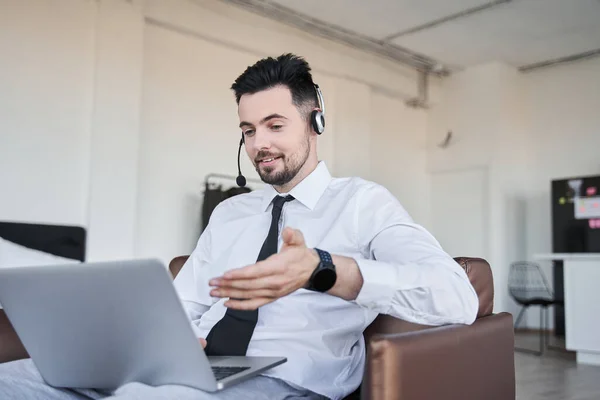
(240, 180)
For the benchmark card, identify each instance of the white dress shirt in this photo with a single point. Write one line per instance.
(406, 274)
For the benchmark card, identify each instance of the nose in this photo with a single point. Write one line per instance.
(262, 140)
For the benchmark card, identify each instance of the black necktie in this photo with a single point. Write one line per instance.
(231, 335)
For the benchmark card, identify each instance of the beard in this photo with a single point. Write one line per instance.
(291, 166)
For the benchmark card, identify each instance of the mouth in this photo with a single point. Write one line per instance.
(268, 161)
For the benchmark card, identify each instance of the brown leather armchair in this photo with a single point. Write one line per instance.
(413, 362)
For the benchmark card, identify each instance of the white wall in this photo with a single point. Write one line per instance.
(460, 222)
(188, 130)
(398, 151)
(46, 93)
(117, 100)
(481, 107)
(564, 104)
(115, 130)
(525, 130)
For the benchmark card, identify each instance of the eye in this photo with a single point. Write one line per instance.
(249, 132)
(276, 127)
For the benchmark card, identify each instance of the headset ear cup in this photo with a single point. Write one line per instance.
(313, 121)
(317, 121)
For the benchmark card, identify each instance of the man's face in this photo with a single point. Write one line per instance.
(276, 134)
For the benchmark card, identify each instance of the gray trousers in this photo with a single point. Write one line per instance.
(21, 380)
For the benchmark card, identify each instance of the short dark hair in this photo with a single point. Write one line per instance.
(287, 70)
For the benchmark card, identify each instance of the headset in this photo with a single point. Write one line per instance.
(317, 117)
(317, 121)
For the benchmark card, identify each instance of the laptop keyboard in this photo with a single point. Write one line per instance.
(224, 372)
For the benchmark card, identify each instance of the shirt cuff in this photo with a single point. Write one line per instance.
(376, 293)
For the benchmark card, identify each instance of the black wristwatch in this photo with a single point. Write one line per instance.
(324, 276)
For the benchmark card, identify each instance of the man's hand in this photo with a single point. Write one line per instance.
(266, 281)
(202, 342)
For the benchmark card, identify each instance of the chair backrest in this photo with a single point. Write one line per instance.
(176, 264)
(526, 281)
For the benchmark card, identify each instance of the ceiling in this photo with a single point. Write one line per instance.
(450, 34)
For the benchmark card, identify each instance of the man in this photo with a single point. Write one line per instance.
(384, 262)
(300, 268)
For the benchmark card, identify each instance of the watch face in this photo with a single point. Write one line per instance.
(325, 279)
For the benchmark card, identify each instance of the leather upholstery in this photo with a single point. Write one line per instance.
(407, 361)
(480, 274)
(11, 347)
(454, 362)
(176, 264)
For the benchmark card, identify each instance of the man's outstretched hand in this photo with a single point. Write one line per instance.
(266, 281)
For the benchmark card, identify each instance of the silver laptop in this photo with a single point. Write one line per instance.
(101, 325)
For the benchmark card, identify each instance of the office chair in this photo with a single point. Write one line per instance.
(528, 287)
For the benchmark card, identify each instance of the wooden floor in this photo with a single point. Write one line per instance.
(554, 375)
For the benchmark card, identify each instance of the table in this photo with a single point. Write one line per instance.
(582, 303)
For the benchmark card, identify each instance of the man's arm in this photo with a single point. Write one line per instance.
(404, 272)
(349, 279)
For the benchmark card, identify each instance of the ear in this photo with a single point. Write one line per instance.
(310, 129)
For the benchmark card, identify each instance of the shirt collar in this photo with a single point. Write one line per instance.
(307, 192)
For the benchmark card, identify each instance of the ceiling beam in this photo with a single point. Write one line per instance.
(574, 57)
(443, 20)
(315, 26)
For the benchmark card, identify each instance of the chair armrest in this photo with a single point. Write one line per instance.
(11, 347)
(454, 362)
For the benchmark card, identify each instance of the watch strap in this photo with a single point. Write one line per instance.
(324, 256)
